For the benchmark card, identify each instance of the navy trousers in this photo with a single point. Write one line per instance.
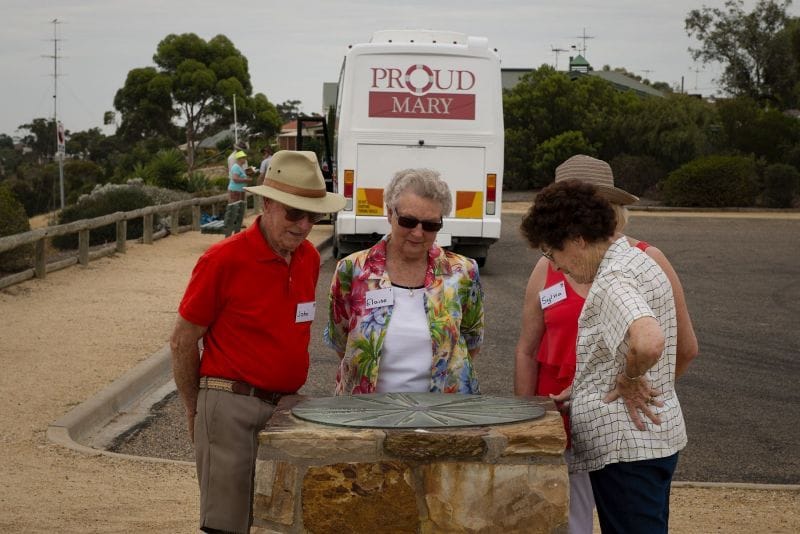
(633, 497)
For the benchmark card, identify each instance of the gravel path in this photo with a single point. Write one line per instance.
(68, 336)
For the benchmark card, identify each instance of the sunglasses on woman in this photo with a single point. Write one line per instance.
(412, 222)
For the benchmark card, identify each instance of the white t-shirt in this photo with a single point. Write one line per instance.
(407, 352)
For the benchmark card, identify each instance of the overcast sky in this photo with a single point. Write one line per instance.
(294, 46)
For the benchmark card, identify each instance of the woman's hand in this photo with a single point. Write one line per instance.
(638, 396)
(562, 400)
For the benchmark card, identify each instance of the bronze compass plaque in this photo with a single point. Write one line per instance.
(417, 410)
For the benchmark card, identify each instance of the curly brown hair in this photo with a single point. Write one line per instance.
(565, 210)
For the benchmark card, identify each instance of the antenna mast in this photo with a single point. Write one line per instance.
(583, 37)
(557, 51)
(59, 129)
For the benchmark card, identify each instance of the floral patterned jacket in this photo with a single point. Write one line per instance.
(453, 300)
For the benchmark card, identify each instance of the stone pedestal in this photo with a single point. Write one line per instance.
(326, 479)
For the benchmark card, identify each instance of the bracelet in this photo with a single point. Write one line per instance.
(631, 378)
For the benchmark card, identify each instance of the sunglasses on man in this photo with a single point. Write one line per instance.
(295, 215)
(412, 222)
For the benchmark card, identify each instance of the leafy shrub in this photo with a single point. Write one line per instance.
(780, 184)
(219, 183)
(713, 181)
(637, 175)
(167, 169)
(110, 200)
(14, 220)
(196, 182)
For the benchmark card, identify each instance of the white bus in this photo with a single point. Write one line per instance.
(420, 98)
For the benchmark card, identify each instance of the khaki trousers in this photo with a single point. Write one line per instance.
(226, 444)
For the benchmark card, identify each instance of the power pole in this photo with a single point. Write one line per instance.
(647, 73)
(59, 130)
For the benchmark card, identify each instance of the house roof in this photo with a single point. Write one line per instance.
(623, 82)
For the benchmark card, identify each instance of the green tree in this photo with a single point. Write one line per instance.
(744, 43)
(265, 118)
(546, 104)
(145, 104)
(201, 78)
(41, 137)
(10, 158)
(783, 68)
(289, 110)
(764, 133)
(672, 130)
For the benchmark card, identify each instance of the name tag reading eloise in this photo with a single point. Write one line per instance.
(377, 298)
(305, 312)
(550, 295)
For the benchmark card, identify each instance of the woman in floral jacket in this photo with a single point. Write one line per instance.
(407, 315)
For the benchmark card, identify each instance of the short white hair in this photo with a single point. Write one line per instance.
(425, 183)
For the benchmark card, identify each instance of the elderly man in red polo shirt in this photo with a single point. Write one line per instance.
(254, 350)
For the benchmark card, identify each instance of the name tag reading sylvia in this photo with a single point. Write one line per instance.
(377, 298)
(550, 295)
(305, 312)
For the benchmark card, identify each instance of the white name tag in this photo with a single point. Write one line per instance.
(305, 312)
(379, 297)
(550, 295)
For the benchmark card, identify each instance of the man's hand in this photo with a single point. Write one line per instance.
(190, 415)
(638, 397)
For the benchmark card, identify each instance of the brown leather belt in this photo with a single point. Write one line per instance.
(240, 388)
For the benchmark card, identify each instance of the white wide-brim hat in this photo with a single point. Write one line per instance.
(596, 172)
(295, 179)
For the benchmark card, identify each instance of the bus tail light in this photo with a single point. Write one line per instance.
(349, 178)
(491, 193)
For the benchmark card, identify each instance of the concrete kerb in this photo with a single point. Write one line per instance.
(90, 426)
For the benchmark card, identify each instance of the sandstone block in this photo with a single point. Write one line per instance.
(275, 489)
(312, 441)
(486, 498)
(360, 497)
(543, 437)
(432, 445)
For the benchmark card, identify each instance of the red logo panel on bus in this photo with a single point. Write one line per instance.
(422, 92)
(429, 106)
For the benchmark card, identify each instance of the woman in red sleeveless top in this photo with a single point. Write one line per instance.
(545, 353)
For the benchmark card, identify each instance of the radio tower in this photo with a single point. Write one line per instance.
(59, 131)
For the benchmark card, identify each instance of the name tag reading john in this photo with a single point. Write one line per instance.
(550, 295)
(378, 298)
(305, 312)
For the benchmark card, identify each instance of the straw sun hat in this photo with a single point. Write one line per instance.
(294, 179)
(596, 172)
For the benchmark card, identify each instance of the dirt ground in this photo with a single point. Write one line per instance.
(68, 336)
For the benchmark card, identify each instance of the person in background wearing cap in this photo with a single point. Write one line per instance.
(262, 171)
(237, 178)
(238, 147)
(250, 300)
(545, 353)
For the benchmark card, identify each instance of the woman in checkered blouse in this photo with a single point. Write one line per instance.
(627, 424)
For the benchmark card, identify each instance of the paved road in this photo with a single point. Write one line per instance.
(741, 397)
